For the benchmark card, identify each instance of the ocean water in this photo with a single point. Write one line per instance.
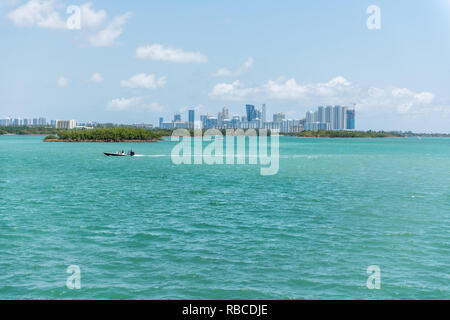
(144, 228)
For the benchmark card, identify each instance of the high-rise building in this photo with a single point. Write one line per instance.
(337, 118)
(343, 124)
(236, 122)
(5, 122)
(66, 124)
(278, 117)
(263, 114)
(350, 119)
(219, 119)
(211, 122)
(167, 125)
(251, 112)
(203, 119)
(223, 118)
(329, 115)
(177, 117)
(225, 113)
(191, 119)
(310, 117)
(321, 117)
(161, 121)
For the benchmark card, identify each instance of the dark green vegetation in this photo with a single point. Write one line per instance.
(348, 134)
(106, 135)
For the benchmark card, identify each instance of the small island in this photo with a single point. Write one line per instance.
(105, 135)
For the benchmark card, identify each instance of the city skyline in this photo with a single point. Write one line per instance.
(132, 62)
(324, 118)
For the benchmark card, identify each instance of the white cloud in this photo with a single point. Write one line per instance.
(45, 13)
(247, 65)
(289, 89)
(63, 82)
(121, 104)
(91, 18)
(425, 97)
(108, 36)
(397, 100)
(135, 104)
(281, 89)
(161, 53)
(338, 90)
(146, 81)
(97, 78)
(233, 91)
(38, 13)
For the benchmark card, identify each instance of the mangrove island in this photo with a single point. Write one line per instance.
(105, 135)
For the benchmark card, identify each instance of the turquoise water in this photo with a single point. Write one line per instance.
(143, 228)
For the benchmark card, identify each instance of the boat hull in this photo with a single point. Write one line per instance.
(116, 155)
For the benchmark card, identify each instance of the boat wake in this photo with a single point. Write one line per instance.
(152, 156)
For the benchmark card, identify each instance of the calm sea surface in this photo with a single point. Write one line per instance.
(144, 228)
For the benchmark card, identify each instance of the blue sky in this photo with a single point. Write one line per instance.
(133, 61)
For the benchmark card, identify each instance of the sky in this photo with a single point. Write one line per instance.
(134, 61)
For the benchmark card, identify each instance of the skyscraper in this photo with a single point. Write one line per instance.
(223, 117)
(219, 119)
(5, 122)
(191, 119)
(309, 117)
(225, 113)
(177, 117)
(161, 121)
(321, 115)
(66, 124)
(263, 114)
(337, 118)
(278, 117)
(203, 119)
(329, 115)
(251, 112)
(343, 124)
(350, 119)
